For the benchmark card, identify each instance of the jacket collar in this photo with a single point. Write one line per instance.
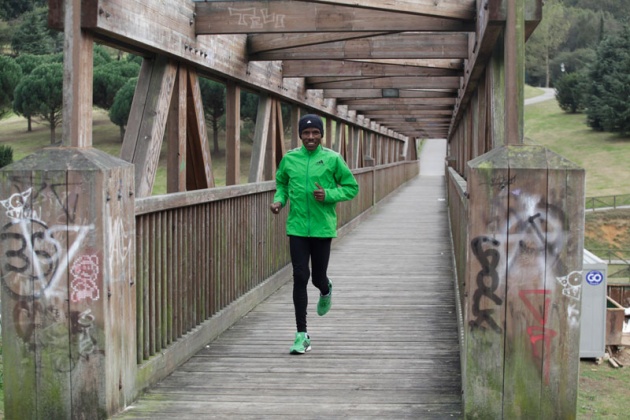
(314, 152)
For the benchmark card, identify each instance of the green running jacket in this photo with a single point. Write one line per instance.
(297, 174)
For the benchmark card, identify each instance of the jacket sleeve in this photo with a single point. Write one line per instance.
(282, 185)
(347, 186)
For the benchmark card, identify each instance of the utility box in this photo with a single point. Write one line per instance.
(594, 294)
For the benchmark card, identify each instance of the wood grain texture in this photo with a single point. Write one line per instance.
(388, 348)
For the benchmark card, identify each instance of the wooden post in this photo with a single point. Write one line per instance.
(176, 134)
(523, 284)
(514, 55)
(295, 121)
(68, 295)
(78, 72)
(261, 137)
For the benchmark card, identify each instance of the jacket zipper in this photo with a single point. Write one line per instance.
(308, 203)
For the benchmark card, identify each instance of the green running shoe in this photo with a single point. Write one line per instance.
(302, 343)
(325, 302)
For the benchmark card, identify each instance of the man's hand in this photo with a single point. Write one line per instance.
(275, 207)
(319, 193)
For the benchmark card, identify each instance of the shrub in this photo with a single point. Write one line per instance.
(6, 155)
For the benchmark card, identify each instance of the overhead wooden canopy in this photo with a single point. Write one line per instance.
(404, 67)
(408, 65)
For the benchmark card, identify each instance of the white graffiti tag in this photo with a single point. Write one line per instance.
(249, 17)
(17, 206)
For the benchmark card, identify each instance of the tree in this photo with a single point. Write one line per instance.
(213, 98)
(29, 62)
(109, 78)
(119, 111)
(546, 40)
(40, 95)
(249, 105)
(33, 36)
(11, 9)
(10, 75)
(608, 108)
(100, 56)
(570, 91)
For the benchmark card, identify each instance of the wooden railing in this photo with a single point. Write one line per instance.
(200, 251)
(458, 218)
(197, 253)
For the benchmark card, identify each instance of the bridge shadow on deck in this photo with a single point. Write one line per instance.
(388, 349)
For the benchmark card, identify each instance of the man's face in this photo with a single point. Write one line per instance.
(311, 138)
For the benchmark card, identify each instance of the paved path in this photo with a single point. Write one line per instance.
(388, 349)
(549, 93)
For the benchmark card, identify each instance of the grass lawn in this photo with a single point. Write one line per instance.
(604, 156)
(106, 137)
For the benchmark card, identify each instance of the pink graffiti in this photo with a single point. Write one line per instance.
(539, 332)
(84, 272)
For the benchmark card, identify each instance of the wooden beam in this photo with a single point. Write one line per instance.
(260, 43)
(283, 16)
(295, 120)
(269, 169)
(401, 101)
(392, 82)
(397, 46)
(77, 80)
(261, 136)
(147, 121)
(490, 23)
(436, 63)
(458, 9)
(378, 93)
(377, 107)
(375, 114)
(199, 163)
(514, 71)
(280, 149)
(176, 133)
(311, 68)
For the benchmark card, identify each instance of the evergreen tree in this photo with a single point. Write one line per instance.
(213, 98)
(29, 62)
(10, 75)
(109, 78)
(570, 91)
(32, 35)
(608, 107)
(40, 95)
(119, 111)
(12, 9)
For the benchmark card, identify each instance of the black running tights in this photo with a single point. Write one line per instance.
(303, 249)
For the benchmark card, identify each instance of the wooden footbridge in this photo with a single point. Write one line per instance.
(388, 349)
(457, 294)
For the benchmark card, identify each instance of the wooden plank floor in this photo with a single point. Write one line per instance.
(388, 349)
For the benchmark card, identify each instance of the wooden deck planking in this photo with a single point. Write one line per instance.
(388, 349)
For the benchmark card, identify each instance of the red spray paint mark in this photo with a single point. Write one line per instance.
(539, 332)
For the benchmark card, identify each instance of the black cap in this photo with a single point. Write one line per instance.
(311, 120)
